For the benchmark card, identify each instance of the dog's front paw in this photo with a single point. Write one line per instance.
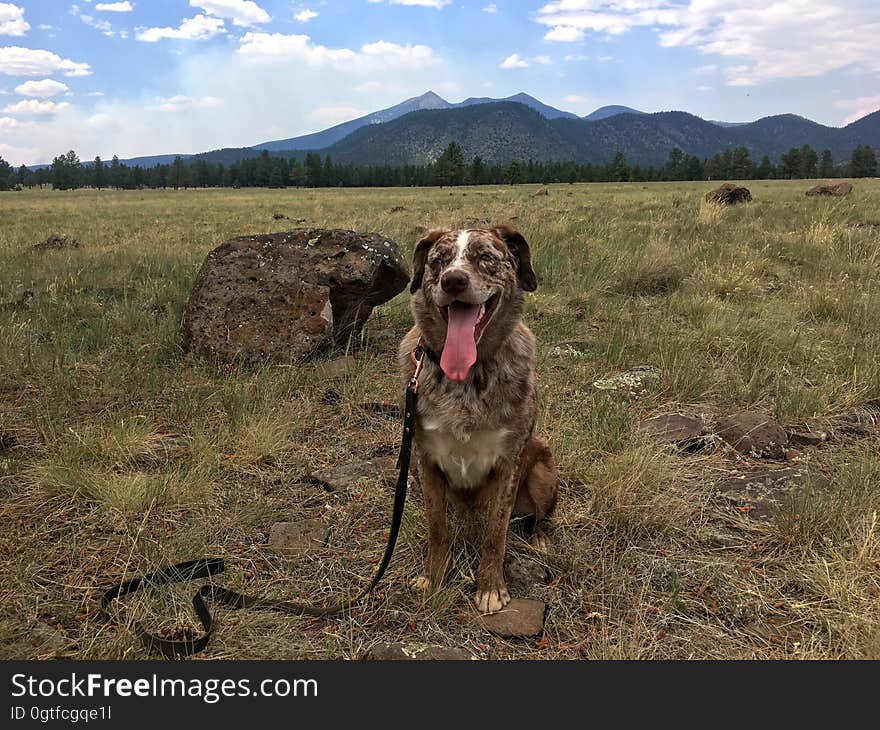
(493, 599)
(539, 541)
(422, 584)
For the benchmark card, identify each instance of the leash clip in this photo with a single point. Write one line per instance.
(418, 358)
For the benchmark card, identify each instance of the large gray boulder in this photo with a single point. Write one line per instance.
(290, 294)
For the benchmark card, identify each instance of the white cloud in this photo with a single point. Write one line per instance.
(761, 39)
(612, 17)
(242, 13)
(95, 93)
(565, 34)
(422, 3)
(304, 16)
(123, 7)
(102, 25)
(34, 107)
(857, 107)
(44, 89)
(199, 28)
(574, 99)
(277, 47)
(181, 103)
(514, 60)
(12, 20)
(17, 61)
(491, 8)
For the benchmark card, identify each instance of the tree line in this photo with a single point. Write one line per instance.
(68, 172)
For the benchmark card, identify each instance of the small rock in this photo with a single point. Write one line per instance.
(520, 618)
(341, 478)
(397, 209)
(571, 348)
(298, 537)
(857, 422)
(279, 216)
(729, 194)
(56, 242)
(331, 397)
(673, 428)
(837, 190)
(764, 493)
(409, 652)
(807, 438)
(541, 192)
(663, 574)
(634, 383)
(522, 573)
(754, 434)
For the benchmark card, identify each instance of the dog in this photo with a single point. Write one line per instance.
(474, 440)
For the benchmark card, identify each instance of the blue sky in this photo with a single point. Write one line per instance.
(143, 77)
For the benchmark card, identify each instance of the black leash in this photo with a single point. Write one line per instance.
(207, 567)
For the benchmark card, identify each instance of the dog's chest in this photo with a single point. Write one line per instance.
(466, 459)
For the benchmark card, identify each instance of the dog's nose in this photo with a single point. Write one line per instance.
(454, 281)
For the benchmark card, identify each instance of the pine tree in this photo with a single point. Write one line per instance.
(808, 161)
(826, 164)
(99, 178)
(791, 164)
(619, 171)
(116, 173)
(475, 174)
(449, 169)
(5, 175)
(513, 173)
(765, 170)
(742, 167)
(863, 162)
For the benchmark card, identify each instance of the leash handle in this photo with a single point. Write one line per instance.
(207, 567)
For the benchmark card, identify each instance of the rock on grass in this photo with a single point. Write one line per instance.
(404, 652)
(753, 434)
(298, 537)
(341, 478)
(290, 295)
(519, 619)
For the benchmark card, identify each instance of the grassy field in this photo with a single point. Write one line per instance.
(119, 454)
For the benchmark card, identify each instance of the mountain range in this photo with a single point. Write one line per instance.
(416, 132)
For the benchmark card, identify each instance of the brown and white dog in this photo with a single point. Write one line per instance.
(474, 439)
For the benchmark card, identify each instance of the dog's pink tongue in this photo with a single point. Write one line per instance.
(460, 350)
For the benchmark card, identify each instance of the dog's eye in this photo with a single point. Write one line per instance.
(487, 258)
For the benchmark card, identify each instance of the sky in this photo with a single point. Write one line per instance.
(143, 77)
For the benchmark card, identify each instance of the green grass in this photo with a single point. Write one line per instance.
(128, 454)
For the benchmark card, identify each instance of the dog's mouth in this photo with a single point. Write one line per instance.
(465, 323)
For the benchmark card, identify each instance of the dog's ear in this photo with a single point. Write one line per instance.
(421, 256)
(519, 249)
